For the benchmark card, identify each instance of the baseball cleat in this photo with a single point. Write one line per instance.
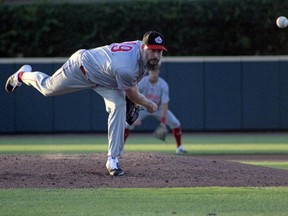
(13, 82)
(181, 150)
(113, 168)
(116, 172)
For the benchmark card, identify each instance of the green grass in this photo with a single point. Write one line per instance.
(272, 164)
(195, 143)
(196, 149)
(219, 201)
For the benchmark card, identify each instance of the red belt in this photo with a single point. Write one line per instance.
(83, 70)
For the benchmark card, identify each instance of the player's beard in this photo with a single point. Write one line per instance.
(154, 66)
(151, 64)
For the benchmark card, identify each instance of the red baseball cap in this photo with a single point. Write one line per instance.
(154, 40)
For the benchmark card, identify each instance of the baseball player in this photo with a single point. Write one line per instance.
(156, 89)
(112, 71)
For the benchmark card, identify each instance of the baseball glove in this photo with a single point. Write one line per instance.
(161, 132)
(132, 111)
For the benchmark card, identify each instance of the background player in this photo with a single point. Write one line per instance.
(156, 89)
(112, 71)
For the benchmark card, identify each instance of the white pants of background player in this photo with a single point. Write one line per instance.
(171, 119)
(69, 78)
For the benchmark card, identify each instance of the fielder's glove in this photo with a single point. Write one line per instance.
(132, 111)
(161, 132)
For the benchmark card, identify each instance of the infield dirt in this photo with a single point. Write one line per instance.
(142, 170)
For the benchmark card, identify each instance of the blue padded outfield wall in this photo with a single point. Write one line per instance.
(206, 94)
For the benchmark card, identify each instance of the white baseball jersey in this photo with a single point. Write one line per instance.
(157, 92)
(116, 66)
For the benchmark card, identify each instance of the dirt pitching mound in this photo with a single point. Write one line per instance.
(141, 170)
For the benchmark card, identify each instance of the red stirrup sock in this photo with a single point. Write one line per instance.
(126, 134)
(177, 132)
(20, 76)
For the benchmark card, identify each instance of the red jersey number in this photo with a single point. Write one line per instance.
(122, 47)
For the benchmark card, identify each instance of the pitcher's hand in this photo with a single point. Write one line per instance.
(152, 107)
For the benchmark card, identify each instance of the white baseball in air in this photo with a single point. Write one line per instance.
(282, 22)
